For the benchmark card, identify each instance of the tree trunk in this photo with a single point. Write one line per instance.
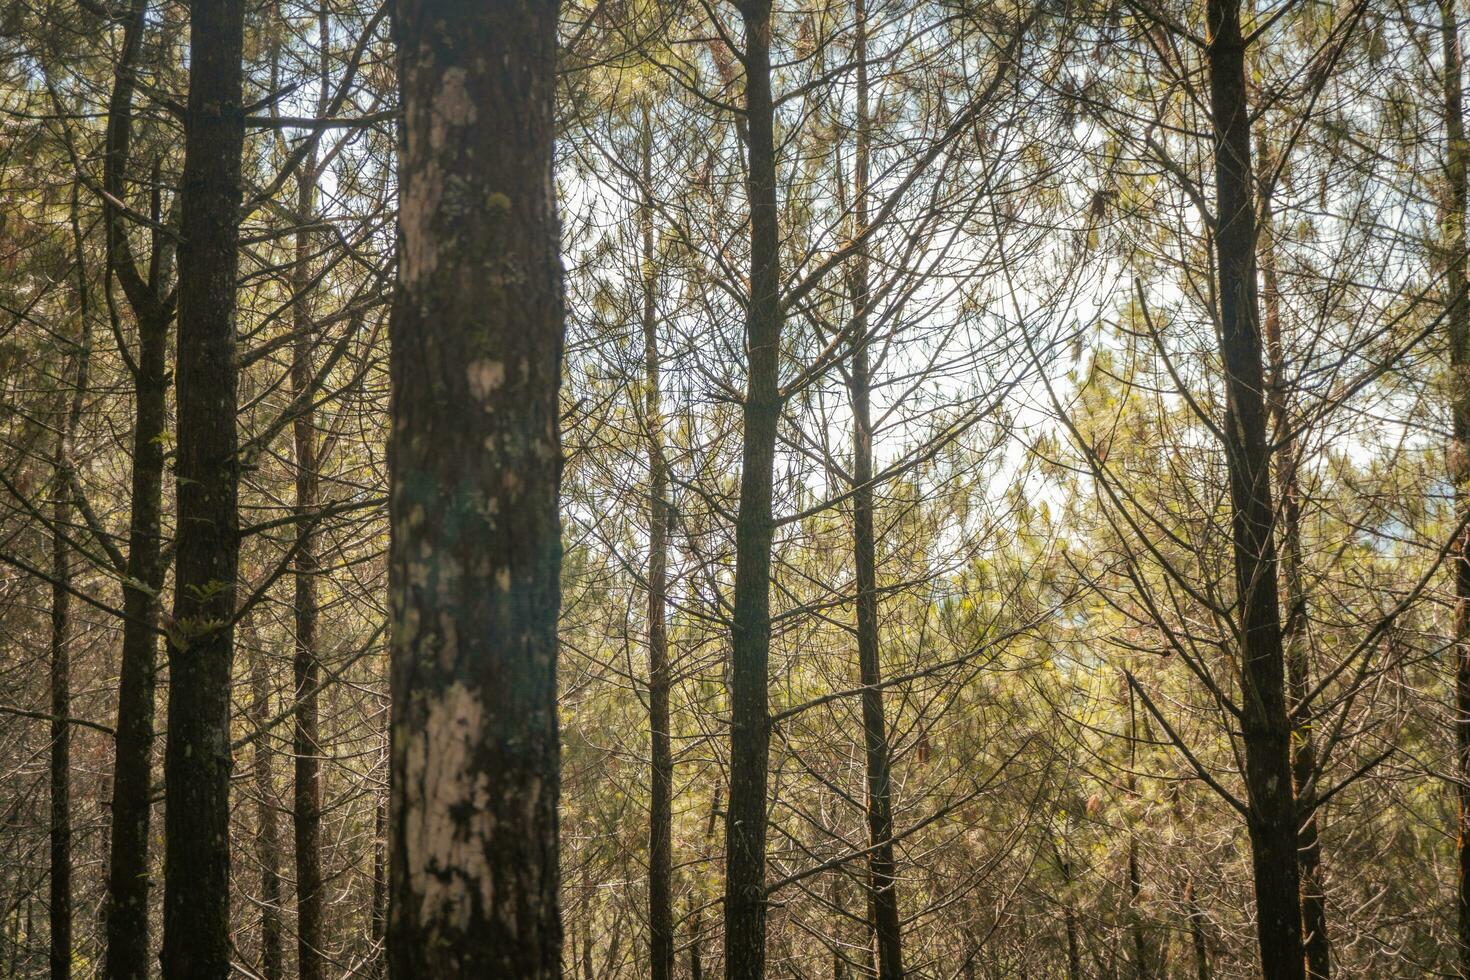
(661, 795)
(1197, 932)
(60, 899)
(380, 886)
(475, 557)
(196, 942)
(1266, 729)
(128, 877)
(1141, 954)
(1074, 958)
(882, 886)
(696, 958)
(1304, 756)
(267, 829)
(750, 646)
(306, 812)
(60, 868)
(1457, 454)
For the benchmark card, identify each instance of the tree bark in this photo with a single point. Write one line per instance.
(1266, 729)
(60, 833)
(267, 827)
(696, 958)
(1074, 958)
(196, 943)
(63, 507)
(128, 877)
(475, 556)
(1197, 932)
(750, 647)
(1457, 454)
(380, 886)
(306, 812)
(1304, 756)
(882, 885)
(1142, 955)
(661, 790)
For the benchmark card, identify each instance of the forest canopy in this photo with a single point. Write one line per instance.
(764, 488)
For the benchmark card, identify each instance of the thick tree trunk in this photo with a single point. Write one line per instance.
(750, 647)
(1294, 630)
(882, 886)
(267, 826)
(1457, 454)
(128, 877)
(661, 790)
(196, 941)
(1266, 729)
(477, 335)
(306, 812)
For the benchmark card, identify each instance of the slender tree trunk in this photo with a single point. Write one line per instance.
(380, 885)
(1304, 757)
(475, 558)
(267, 826)
(1074, 958)
(1266, 729)
(750, 648)
(196, 942)
(60, 898)
(1457, 454)
(306, 813)
(661, 796)
(1141, 953)
(883, 889)
(60, 868)
(128, 877)
(1197, 932)
(696, 957)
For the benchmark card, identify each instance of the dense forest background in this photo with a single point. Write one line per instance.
(1016, 474)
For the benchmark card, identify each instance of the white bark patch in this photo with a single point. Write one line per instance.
(420, 200)
(452, 108)
(484, 377)
(449, 829)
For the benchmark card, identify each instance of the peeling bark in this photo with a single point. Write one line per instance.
(477, 335)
